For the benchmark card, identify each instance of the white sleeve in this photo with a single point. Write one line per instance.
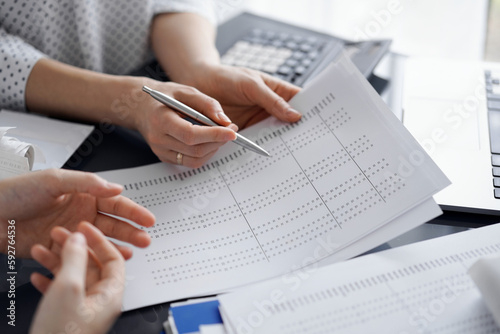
(204, 8)
(17, 59)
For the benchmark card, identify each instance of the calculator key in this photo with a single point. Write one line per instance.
(494, 125)
(297, 38)
(497, 192)
(494, 105)
(496, 182)
(495, 160)
(306, 62)
(306, 48)
(312, 55)
(257, 32)
(312, 40)
(283, 36)
(496, 171)
(291, 45)
(292, 62)
(298, 55)
(270, 68)
(300, 70)
(277, 43)
(286, 70)
(493, 96)
(269, 35)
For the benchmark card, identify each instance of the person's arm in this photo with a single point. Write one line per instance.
(184, 46)
(62, 90)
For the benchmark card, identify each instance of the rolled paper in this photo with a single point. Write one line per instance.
(485, 273)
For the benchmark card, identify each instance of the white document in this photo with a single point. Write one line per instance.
(346, 169)
(418, 288)
(57, 140)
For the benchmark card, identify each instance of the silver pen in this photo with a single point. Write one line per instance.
(195, 115)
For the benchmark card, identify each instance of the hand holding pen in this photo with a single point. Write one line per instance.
(169, 133)
(200, 118)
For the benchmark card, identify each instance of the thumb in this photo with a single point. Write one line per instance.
(74, 261)
(203, 103)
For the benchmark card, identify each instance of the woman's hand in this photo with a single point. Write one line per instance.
(41, 200)
(247, 96)
(86, 292)
(169, 134)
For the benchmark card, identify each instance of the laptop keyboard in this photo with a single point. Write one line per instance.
(281, 54)
(493, 101)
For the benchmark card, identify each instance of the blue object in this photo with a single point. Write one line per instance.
(187, 318)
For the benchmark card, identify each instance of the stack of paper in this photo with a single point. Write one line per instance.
(418, 288)
(344, 179)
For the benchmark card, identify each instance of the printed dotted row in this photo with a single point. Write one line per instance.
(483, 323)
(338, 119)
(243, 172)
(301, 236)
(344, 187)
(306, 143)
(165, 254)
(208, 220)
(305, 238)
(269, 198)
(357, 206)
(376, 168)
(390, 185)
(408, 272)
(341, 318)
(414, 298)
(288, 217)
(327, 165)
(273, 190)
(178, 177)
(228, 257)
(359, 146)
(207, 245)
(197, 271)
(179, 194)
(305, 138)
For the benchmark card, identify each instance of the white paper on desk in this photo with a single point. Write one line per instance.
(418, 288)
(212, 329)
(345, 170)
(57, 140)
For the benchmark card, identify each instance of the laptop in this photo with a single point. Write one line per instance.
(453, 109)
(289, 52)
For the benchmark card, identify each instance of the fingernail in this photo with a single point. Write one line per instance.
(221, 116)
(114, 185)
(291, 111)
(230, 136)
(78, 239)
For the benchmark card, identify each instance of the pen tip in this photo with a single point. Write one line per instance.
(146, 89)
